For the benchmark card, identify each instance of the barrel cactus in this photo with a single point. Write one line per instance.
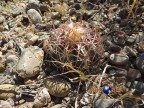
(76, 43)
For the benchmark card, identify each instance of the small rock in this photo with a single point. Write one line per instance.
(43, 26)
(141, 47)
(57, 87)
(6, 79)
(5, 104)
(32, 38)
(129, 103)
(119, 40)
(33, 1)
(90, 12)
(139, 86)
(112, 47)
(142, 26)
(44, 7)
(33, 4)
(42, 98)
(130, 51)
(118, 71)
(24, 105)
(131, 39)
(140, 63)
(104, 103)
(85, 100)
(140, 37)
(55, 15)
(17, 11)
(8, 91)
(1, 28)
(2, 19)
(34, 16)
(133, 73)
(119, 59)
(12, 60)
(56, 23)
(30, 62)
(72, 11)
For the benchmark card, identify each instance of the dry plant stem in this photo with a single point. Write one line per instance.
(82, 75)
(134, 2)
(103, 73)
(76, 100)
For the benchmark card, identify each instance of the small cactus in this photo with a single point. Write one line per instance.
(75, 43)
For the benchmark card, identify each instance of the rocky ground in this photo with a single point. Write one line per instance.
(61, 53)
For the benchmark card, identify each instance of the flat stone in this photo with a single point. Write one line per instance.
(30, 62)
(32, 38)
(104, 103)
(133, 73)
(34, 16)
(119, 59)
(33, 4)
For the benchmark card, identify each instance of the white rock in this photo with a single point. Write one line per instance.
(30, 62)
(34, 16)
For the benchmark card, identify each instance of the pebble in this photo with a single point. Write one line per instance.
(119, 59)
(42, 98)
(131, 39)
(130, 51)
(33, 4)
(139, 86)
(133, 73)
(140, 37)
(104, 103)
(21, 104)
(30, 62)
(140, 63)
(12, 60)
(17, 11)
(44, 7)
(6, 79)
(128, 103)
(112, 47)
(34, 16)
(56, 23)
(57, 87)
(55, 15)
(118, 72)
(32, 38)
(2, 19)
(85, 100)
(119, 40)
(141, 47)
(8, 91)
